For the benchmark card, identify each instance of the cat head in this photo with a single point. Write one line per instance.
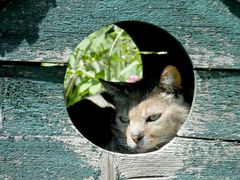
(149, 111)
(169, 82)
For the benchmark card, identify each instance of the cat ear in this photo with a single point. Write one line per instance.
(113, 88)
(171, 78)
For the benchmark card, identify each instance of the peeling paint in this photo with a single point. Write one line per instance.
(75, 142)
(6, 177)
(1, 120)
(214, 58)
(18, 138)
(53, 55)
(38, 140)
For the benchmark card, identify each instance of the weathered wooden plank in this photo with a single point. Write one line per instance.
(183, 159)
(108, 167)
(39, 140)
(32, 101)
(215, 111)
(208, 30)
(48, 157)
(29, 93)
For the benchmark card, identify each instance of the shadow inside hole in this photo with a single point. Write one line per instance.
(93, 119)
(233, 6)
(151, 38)
(108, 53)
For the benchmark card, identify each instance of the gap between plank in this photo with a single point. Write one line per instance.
(148, 177)
(210, 139)
(30, 63)
(215, 69)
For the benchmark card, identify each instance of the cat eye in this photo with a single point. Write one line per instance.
(154, 117)
(123, 119)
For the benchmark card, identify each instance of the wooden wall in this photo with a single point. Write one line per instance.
(37, 138)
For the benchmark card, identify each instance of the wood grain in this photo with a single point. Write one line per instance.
(37, 135)
(31, 97)
(215, 110)
(108, 167)
(37, 93)
(37, 138)
(183, 159)
(209, 31)
(48, 157)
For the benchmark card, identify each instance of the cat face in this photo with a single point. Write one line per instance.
(149, 124)
(153, 122)
(147, 117)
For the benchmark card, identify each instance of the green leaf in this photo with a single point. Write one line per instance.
(128, 67)
(78, 72)
(115, 56)
(85, 86)
(95, 88)
(107, 52)
(89, 74)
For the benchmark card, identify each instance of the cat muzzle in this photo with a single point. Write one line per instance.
(136, 138)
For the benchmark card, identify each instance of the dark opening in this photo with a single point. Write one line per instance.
(151, 38)
(92, 120)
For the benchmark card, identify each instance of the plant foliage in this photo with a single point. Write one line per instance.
(108, 53)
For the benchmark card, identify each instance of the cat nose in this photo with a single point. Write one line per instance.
(136, 137)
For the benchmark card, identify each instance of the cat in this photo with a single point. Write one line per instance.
(148, 112)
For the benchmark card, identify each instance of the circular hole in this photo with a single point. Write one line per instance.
(129, 87)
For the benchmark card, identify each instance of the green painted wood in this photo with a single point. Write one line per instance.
(38, 140)
(31, 97)
(47, 158)
(215, 111)
(49, 30)
(183, 159)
